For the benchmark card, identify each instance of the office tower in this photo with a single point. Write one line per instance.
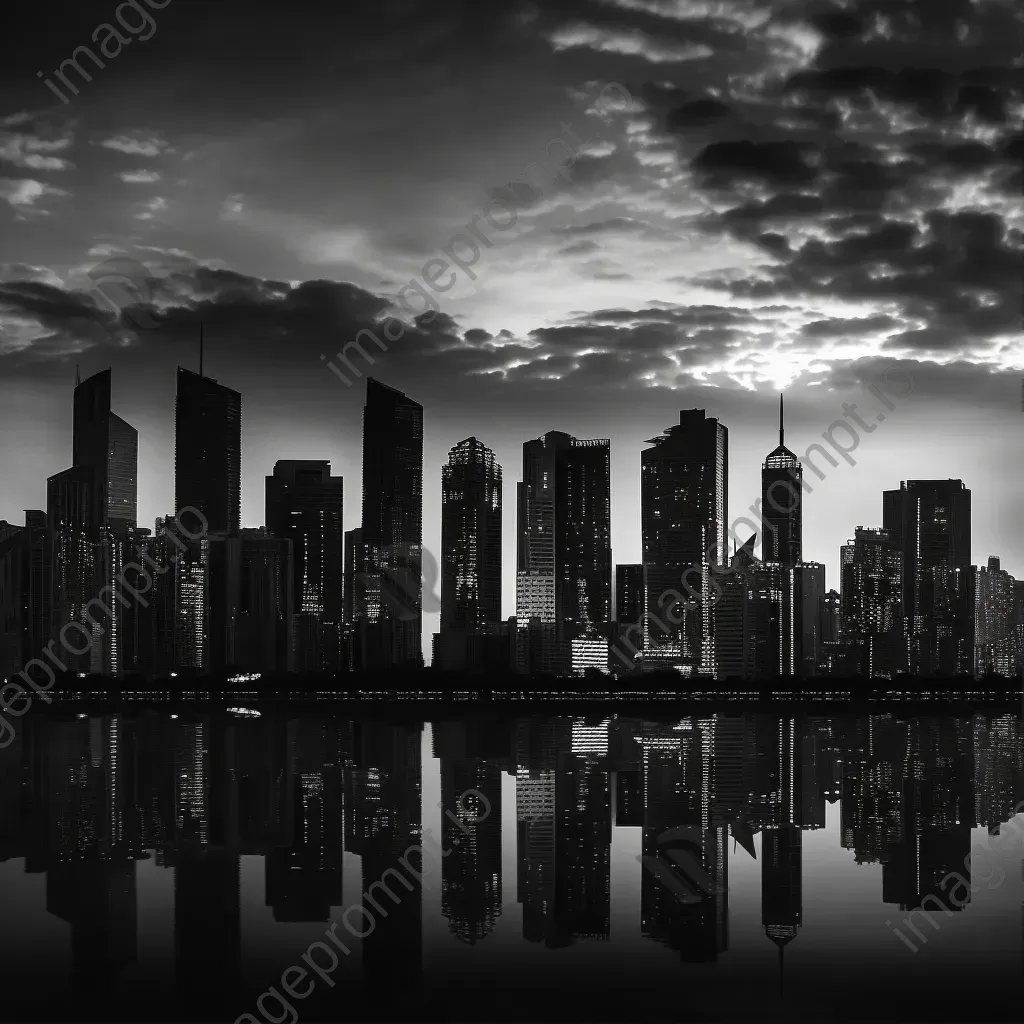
(208, 450)
(26, 593)
(767, 617)
(470, 537)
(627, 638)
(782, 503)
(305, 506)
(470, 550)
(871, 568)
(92, 508)
(250, 603)
(388, 593)
(931, 522)
(684, 501)
(830, 634)
(109, 447)
(564, 577)
(996, 644)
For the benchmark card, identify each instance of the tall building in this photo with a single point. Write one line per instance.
(109, 447)
(304, 504)
(629, 617)
(92, 509)
(931, 522)
(996, 641)
(470, 548)
(470, 537)
(782, 503)
(871, 569)
(249, 603)
(208, 450)
(684, 502)
(26, 592)
(388, 593)
(564, 573)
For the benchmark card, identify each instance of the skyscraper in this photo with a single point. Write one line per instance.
(92, 509)
(208, 450)
(629, 616)
(871, 569)
(470, 551)
(782, 503)
(305, 505)
(996, 642)
(249, 604)
(564, 577)
(931, 522)
(109, 447)
(388, 594)
(684, 502)
(470, 537)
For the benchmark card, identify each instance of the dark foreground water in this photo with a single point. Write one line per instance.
(736, 866)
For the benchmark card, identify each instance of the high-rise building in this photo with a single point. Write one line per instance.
(470, 549)
(26, 592)
(208, 450)
(109, 447)
(996, 641)
(92, 509)
(564, 574)
(871, 568)
(305, 505)
(470, 537)
(250, 603)
(629, 616)
(931, 522)
(684, 502)
(388, 593)
(782, 503)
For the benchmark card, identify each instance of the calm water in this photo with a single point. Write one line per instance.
(720, 867)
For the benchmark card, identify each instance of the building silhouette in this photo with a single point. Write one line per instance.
(304, 505)
(931, 522)
(208, 450)
(996, 643)
(564, 572)
(627, 638)
(782, 503)
(470, 551)
(871, 579)
(388, 583)
(684, 495)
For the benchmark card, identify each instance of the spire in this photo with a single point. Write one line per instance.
(200, 348)
(78, 375)
(782, 429)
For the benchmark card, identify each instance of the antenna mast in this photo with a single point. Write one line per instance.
(782, 429)
(200, 349)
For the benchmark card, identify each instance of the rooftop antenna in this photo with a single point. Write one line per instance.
(782, 429)
(200, 348)
(78, 375)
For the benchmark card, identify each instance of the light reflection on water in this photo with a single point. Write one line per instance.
(159, 868)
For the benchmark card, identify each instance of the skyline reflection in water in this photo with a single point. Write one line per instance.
(172, 868)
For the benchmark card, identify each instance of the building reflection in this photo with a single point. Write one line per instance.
(86, 798)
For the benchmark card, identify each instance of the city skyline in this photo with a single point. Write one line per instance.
(688, 224)
(765, 522)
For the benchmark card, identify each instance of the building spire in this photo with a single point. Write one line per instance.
(200, 348)
(782, 429)
(78, 375)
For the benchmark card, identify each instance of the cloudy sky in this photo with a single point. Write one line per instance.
(710, 201)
